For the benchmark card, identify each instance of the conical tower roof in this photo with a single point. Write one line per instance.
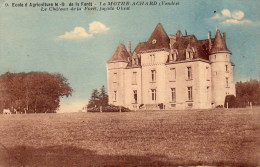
(120, 54)
(158, 39)
(219, 44)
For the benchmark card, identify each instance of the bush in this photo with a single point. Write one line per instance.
(234, 102)
(109, 108)
(230, 101)
(219, 106)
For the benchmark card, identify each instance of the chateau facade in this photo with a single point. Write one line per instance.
(171, 72)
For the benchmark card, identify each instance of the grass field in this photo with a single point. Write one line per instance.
(152, 138)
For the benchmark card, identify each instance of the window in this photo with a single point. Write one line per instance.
(115, 96)
(207, 92)
(189, 73)
(189, 52)
(135, 96)
(153, 94)
(207, 74)
(173, 55)
(152, 59)
(134, 81)
(227, 84)
(190, 93)
(153, 75)
(172, 74)
(173, 92)
(135, 61)
(226, 68)
(115, 77)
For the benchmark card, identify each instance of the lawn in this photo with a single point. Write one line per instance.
(148, 138)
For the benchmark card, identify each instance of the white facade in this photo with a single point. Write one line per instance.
(171, 77)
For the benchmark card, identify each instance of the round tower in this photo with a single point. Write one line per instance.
(116, 76)
(221, 70)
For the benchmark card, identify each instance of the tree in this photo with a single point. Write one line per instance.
(33, 92)
(98, 98)
(103, 97)
(247, 92)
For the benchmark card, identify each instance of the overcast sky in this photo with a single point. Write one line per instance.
(78, 44)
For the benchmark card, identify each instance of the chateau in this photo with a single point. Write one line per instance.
(171, 72)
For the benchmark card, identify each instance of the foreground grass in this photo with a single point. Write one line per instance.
(156, 138)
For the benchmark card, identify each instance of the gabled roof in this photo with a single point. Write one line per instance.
(120, 54)
(219, 44)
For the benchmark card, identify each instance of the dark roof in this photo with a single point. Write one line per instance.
(161, 37)
(219, 44)
(201, 47)
(120, 54)
(140, 47)
(158, 40)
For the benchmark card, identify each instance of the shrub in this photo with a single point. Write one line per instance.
(230, 101)
(109, 108)
(234, 102)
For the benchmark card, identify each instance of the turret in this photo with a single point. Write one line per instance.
(221, 70)
(115, 75)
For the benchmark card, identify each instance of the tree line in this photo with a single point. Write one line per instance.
(247, 93)
(33, 92)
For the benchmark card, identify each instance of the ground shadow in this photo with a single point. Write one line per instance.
(68, 156)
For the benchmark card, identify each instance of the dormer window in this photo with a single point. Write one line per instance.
(154, 41)
(135, 61)
(173, 55)
(190, 52)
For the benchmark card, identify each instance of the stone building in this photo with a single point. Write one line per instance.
(171, 72)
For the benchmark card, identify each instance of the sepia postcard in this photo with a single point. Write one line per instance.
(129, 83)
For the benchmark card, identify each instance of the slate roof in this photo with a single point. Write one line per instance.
(160, 40)
(120, 54)
(201, 47)
(219, 44)
(161, 37)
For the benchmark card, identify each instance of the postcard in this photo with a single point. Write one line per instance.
(129, 83)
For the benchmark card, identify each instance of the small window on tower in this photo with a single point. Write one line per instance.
(135, 96)
(154, 41)
(190, 98)
(227, 82)
(189, 72)
(115, 77)
(115, 96)
(226, 68)
(153, 72)
(207, 74)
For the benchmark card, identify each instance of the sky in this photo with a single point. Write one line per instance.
(78, 44)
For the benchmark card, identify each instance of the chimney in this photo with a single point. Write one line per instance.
(209, 38)
(129, 47)
(186, 33)
(224, 36)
